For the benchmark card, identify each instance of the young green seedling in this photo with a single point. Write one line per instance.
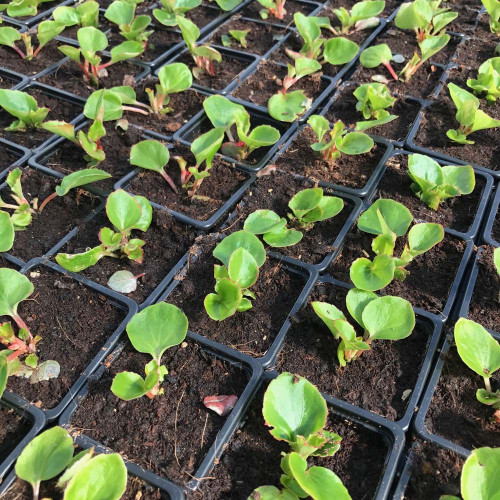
(22, 8)
(373, 99)
(227, 5)
(74, 180)
(272, 8)
(152, 155)
(127, 213)
(203, 55)
(152, 331)
(481, 353)
(23, 107)
(91, 41)
(424, 17)
(363, 15)
(308, 206)
(21, 359)
(239, 35)
(284, 406)
(376, 55)
(469, 116)
(45, 32)
(341, 141)
(132, 28)
(83, 15)
(493, 9)
(171, 10)
(433, 183)
(381, 318)
(480, 479)
(84, 476)
(22, 211)
(224, 113)
(242, 254)
(389, 219)
(488, 80)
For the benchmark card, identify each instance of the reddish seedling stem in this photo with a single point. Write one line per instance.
(391, 71)
(49, 198)
(169, 180)
(135, 110)
(19, 51)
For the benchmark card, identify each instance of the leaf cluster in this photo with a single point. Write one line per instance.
(132, 27)
(373, 101)
(488, 80)
(363, 15)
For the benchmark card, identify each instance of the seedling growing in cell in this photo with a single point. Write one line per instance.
(83, 15)
(45, 32)
(469, 116)
(92, 41)
(224, 113)
(284, 402)
(309, 29)
(204, 55)
(389, 219)
(74, 180)
(488, 80)
(363, 15)
(51, 453)
(23, 107)
(171, 10)
(373, 101)
(21, 359)
(480, 479)
(132, 28)
(227, 5)
(376, 55)
(239, 35)
(493, 9)
(381, 318)
(127, 213)
(22, 8)
(481, 353)
(272, 8)
(424, 17)
(341, 141)
(308, 206)
(242, 254)
(152, 155)
(152, 331)
(433, 183)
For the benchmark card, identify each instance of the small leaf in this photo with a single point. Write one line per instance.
(123, 282)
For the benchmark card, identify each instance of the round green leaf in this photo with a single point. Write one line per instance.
(263, 135)
(91, 39)
(375, 56)
(220, 110)
(243, 239)
(149, 154)
(262, 221)
(46, 456)
(123, 210)
(175, 77)
(480, 478)
(461, 177)
(288, 107)
(157, 328)
(388, 318)
(110, 101)
(80, 178)
(477, 348)
(130, 385)
(423, 237)
(329, 314)
(126, 50)
(396, 216)
(120, 12)
(354, 143)
(283, 238)
(356, 302)
(6, 232)
(339, 50)
(225, 301)
(305, 201)
(331, 206)
(243, 268)
(425, 171)
(14, 288)
(368, 275)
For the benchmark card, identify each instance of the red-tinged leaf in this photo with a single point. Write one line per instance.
(221, 405)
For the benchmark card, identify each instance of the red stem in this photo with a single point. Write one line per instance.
(18, 50)
(49, 198)
(169, 180)
(84, 69)
(135, 110)
(39, 48)
(391, 71)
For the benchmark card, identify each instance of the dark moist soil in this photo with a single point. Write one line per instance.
(268, 80)
(225, 71)
(204, 14)
(484, 306)
(49, 55)
(440, 117)
(344, 108)
(253, 457)
(251, 332)
(482, 32)
(390, 6)
(69, 77)
(13, 429)
(474, 51)
(61, 214)
(7, 82)
(60, 109)
(170, 434)
(260, 38)
(74, 323)
(456, 213)
(431, 274)
(8, 157)
(349, 171)
(166, 242)
(434, 471)
(273, 192)
(159, 42)
(455, 413)
(116, 144)
(136, 490)
(291, 8)
(104, 25)
(376, 381)
(185, 105)
(222, 183)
